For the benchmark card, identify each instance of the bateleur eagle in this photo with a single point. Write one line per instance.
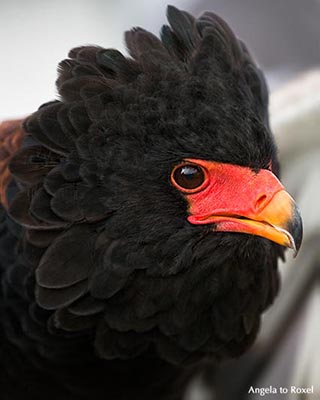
(142, 218)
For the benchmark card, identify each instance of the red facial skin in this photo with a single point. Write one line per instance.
(237, 199)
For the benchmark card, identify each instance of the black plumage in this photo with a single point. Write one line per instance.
(107, 290)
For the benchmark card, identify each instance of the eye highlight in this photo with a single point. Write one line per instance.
(189, 178)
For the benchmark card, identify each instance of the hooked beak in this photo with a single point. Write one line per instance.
(240, 200)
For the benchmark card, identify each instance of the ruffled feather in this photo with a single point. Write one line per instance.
(53, 299)
(68, 260)
(31, 164)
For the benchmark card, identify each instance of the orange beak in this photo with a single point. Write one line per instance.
(237, 199)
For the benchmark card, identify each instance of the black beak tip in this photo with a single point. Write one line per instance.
(296, 229)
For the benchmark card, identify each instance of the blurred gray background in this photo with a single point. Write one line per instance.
(35, 35)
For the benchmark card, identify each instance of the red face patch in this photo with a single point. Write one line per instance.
(237, 199)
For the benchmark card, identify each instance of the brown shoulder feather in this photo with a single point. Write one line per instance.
(11, 136)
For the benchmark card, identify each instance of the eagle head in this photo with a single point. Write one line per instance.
(150, 195)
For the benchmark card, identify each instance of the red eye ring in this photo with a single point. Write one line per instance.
(189, 177)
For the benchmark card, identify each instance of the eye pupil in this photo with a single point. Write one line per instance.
(189, 176)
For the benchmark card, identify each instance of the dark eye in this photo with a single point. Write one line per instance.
(189, 177)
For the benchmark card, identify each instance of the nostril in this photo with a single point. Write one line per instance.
(261, 202)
